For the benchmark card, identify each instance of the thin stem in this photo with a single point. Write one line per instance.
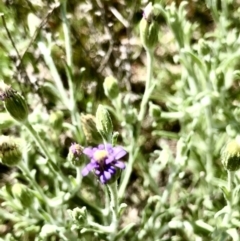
(68, 47)
(49, 61)
(228, 215)
(32, 181)
(132, 157)
(52, 161)
(148, 90)
(9, 36)
(113, 207)
(66, 34)
(134, 149)
(229, 186)
(100, 228)
(38, 140)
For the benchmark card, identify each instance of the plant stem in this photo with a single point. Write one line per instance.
(228, 215)
(229, 186)
(132, 157)
(68, 47)
(134, 149)
(52, 161)
(148, 89)
(32, 182)
(113, 207)
(50, 63)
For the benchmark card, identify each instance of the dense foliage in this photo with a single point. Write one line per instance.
(155, 88)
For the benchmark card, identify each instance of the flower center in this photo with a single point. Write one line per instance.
(100, 155)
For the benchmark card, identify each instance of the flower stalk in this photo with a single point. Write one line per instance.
(113, 207)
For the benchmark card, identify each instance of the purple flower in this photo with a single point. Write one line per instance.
(105, 160)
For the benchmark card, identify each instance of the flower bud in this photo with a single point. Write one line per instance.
(10, 151)
(115, 138)
(231, 156)
(47, 230)
(6, 121)
(78, 215)
(23, 194)
(148, 28)
(110, 86)
(56, 120)
(104, 123)
(154, 111)
(14, 103)
(75, 153)
(89, 129)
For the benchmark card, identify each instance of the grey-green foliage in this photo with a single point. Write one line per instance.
(173, 126)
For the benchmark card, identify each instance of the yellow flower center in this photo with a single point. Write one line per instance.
(100, 155)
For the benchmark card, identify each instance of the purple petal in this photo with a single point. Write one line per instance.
(119, 152)
(87, 169)
(102, 179)
(101, 147)
(119, 164)
(97, 172)
(109, 159)
(93, 160)
(111, 170)
(109, 147)
(107, 175)
(88, 151)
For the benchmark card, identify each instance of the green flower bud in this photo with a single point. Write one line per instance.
(14, 103)
(154, 110)
(110, 86)
(23, 194)
(115, 138)
(89, 129)
(6, 120)
(231, 156)
(149, 28)
(104, 123)
(75, 153)
(56, 119)
(47, 230)
(78, 215)
(10, 150)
